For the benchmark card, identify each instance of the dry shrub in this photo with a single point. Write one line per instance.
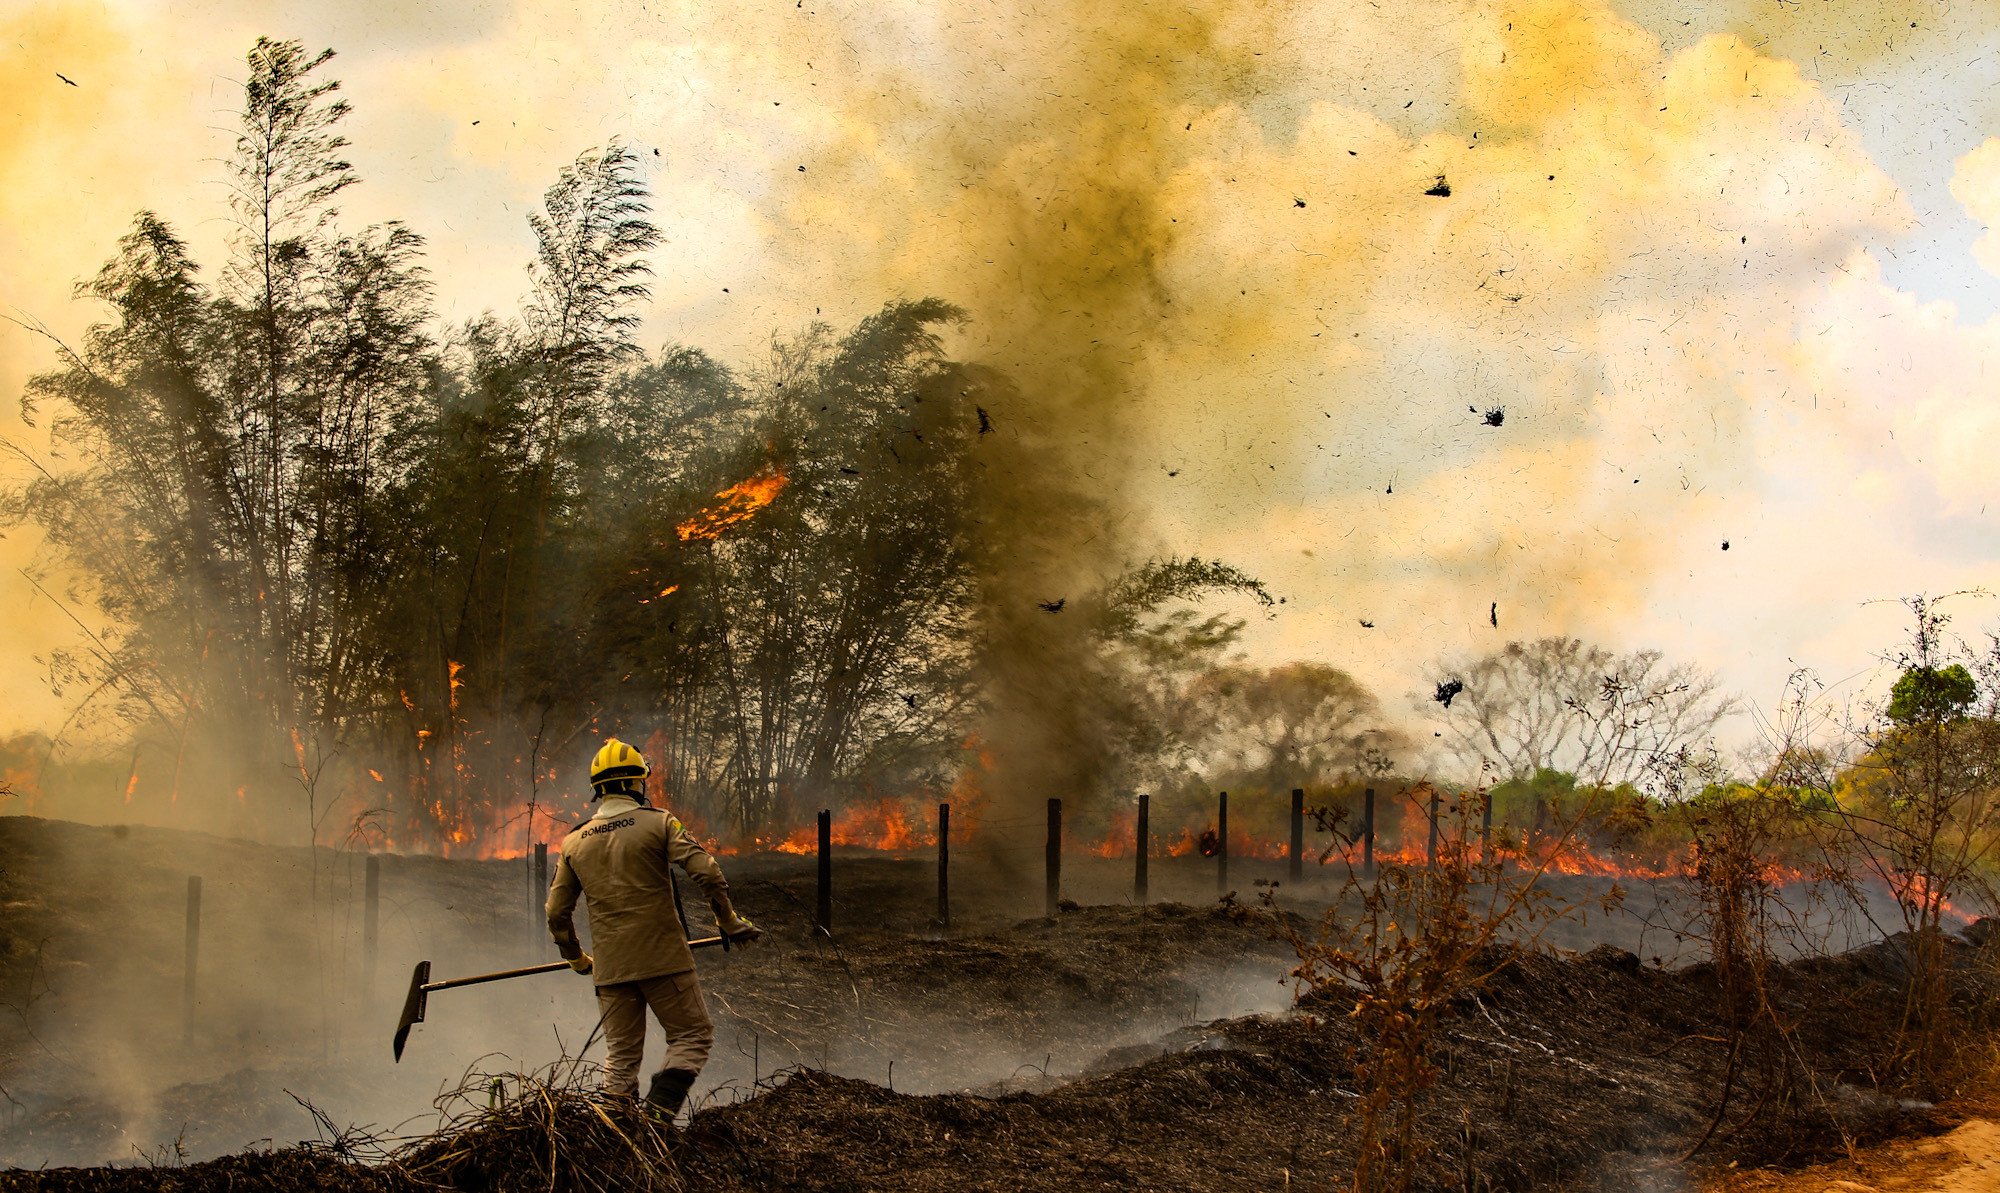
(1916, 813)
(1426, 940)
(1923, 818)
(1739, 836)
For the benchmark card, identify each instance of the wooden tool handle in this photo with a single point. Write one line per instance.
(551, 967)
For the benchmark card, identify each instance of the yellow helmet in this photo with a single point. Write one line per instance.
(615, 763)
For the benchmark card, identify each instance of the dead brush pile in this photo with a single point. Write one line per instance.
(512, 1134)
(540, 1133)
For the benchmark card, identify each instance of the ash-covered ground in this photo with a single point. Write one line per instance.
(1047, 1023)
(99, 1067)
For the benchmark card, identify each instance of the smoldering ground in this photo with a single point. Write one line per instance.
(98, 1069)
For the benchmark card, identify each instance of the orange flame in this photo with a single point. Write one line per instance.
(299, 754)
(1192, 842)
(1117, 840)
(1407, 844)
(23, 782)
(1914, 891)
(738, 503)
(883, 825)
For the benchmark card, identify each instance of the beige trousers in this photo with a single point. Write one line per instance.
(676, 1003)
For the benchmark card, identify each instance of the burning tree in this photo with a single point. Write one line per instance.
(822, 646)
(404, 569)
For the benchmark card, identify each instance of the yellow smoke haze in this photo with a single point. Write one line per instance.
(1198, 235)
(67, 191)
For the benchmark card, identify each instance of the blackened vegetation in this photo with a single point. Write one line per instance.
(1448, 691)
(1440, 189)
(1579, 1070)
(1573, 1046)
(1495, 415)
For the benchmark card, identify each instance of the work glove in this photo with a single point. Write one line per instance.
(581, 963)
(738, 929)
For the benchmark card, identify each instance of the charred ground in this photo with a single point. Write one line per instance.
(1106, 1047)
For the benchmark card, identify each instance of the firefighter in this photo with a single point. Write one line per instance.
(619, 860)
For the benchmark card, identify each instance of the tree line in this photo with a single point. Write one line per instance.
(401, 575)
(336, 544)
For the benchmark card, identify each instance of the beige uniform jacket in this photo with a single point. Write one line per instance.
(618, 860)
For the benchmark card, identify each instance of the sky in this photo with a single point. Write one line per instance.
(1730, 268)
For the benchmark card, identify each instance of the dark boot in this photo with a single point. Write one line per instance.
(669, 1090)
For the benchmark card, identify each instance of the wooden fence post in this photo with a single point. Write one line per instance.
(1054, 856)
(1298, 833)
(1142, 849)
(1222, 842)
(538, 916)
(944, 867)
(1368, 833)
(824, 919)
(193, 956)
(1431, 849)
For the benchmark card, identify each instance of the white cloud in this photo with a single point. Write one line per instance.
(1975, 183)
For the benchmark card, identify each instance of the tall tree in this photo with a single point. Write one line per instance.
(284, 176)
(227, 445)
(587, 277)
(1291, 725)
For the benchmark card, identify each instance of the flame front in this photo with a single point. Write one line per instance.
(883, 825)
(736, 504)
(1916, 893)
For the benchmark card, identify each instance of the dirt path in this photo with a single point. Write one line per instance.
(1965, 1160)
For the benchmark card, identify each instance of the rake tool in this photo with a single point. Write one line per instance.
(421, 986)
